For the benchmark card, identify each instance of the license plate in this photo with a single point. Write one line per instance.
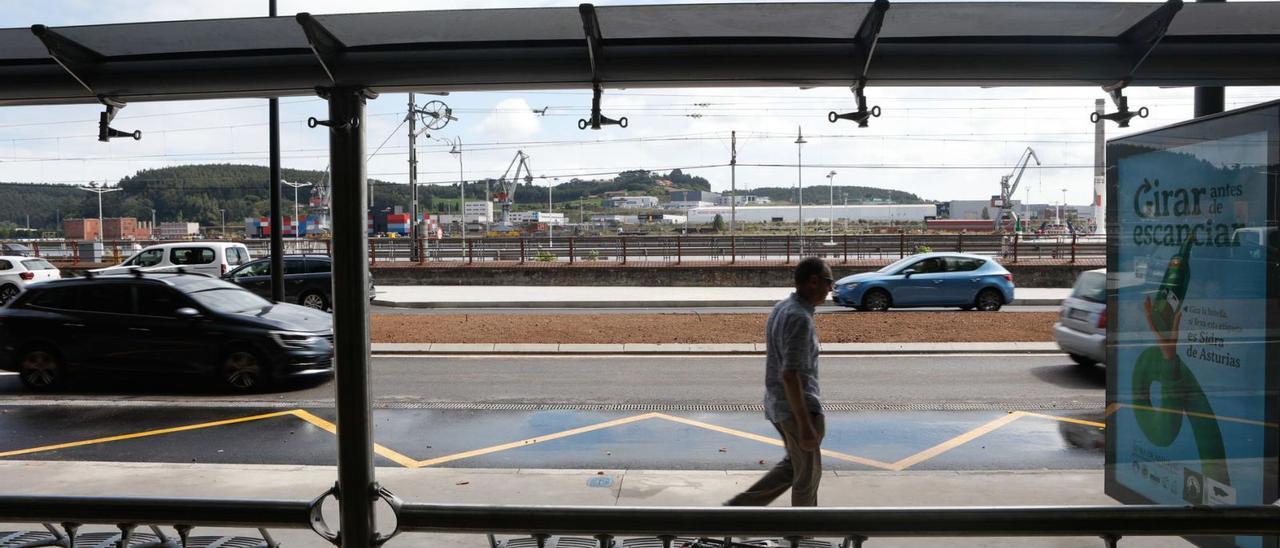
(1078, 314)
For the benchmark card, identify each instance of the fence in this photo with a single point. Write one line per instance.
(639, 249)
(654, 526)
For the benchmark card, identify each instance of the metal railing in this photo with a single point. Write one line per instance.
(855, 525)
(670, 250)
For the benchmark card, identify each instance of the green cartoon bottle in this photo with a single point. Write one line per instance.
(1173, 289)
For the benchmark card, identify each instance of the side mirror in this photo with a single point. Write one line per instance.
(187, 313)
(908, 272)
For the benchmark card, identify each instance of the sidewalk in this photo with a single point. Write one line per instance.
(739, 348)
(568, 487)
(491, 296)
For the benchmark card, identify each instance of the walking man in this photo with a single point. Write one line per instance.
(791, 398)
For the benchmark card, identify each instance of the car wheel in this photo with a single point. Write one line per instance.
(243, 371)
(7, 293)
(41, 370)
(314, 300)
(876, 300)
(1082, 361)
(988, 300)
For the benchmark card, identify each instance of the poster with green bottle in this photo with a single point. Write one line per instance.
(1192, 255)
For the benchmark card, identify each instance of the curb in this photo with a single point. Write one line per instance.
(758, 349)
(630, 304)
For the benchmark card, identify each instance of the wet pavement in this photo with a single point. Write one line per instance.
(567, 439)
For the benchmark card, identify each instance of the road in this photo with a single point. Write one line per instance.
(679, 412)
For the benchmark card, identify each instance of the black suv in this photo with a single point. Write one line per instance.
(308, 279)
(160, 323)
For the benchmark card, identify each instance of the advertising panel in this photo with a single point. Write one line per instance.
(1192, 248)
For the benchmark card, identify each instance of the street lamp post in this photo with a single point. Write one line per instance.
(99, 191)
(800, 184)
(296, 186)
(550, 208)
(462, 192)
(831, 177)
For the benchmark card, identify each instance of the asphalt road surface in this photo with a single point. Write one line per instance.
(681, 412)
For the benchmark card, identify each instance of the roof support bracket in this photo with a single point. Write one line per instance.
(1138, 42)
(338, 125)
(105, 131)
(327, 47)
(595, 50)
(864, 49)
(72, 56)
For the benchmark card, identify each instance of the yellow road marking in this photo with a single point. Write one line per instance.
(774, 441)
(533, 441)
(1063, 419)
(145, 434)
(1113, 408)
(331, 428)
(956, 441)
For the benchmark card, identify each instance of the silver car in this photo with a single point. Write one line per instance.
(1081, 330)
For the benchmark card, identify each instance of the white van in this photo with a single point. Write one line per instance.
(209, 258)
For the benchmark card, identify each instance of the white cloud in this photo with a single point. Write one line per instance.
(511, 119)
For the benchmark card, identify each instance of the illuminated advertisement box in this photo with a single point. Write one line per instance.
(1192, 304)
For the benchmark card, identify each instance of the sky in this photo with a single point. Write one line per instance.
(939, 143)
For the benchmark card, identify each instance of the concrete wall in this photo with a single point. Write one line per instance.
(673, 276)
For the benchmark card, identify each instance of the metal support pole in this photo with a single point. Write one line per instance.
(521, 250)
(1073, 247)
(1209, 100)
(624, 251)
(351, 317)
(571, 250)
(471, 252)
(413, 173)
(902, 244)
(1015, 247)
(846, 249)
(679, 250)
(277, 224)
(788, 249)
(960, 242)
(733, 196)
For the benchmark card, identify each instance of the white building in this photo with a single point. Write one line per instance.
(532, 217)
(813, 213)
(664, 219)
(178, 231)
(632, 202)
(481, 212)
(744, 199)
(686, 205)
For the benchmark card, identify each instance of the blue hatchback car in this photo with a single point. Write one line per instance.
(929, 279)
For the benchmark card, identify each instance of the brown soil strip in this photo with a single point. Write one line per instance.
(712, 328)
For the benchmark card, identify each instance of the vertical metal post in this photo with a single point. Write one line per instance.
(902, 244)
(960, 242)
(679, 250)
(800, 185)
(351, 317)
(788, 249)
(413, 174)
(471, 252)
(624, 251)
(571, 250)
(277, 224)
(846, 249)
(733, 196)
(521, 250)
(1073, 247)
(373, 252)
(1209, 100)
(1015, 246)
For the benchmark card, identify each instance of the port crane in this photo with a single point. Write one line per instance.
(506, 195)
(1004, 209)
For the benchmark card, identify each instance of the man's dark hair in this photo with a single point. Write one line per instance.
(809, 267)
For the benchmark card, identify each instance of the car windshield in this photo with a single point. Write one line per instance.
(1092, 286)
(896, 265)
(229, 300)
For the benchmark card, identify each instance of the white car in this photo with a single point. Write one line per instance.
(1081, 330)
(208, 258)
(17, 272)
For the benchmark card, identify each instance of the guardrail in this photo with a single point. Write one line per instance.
(607, 525)
(671, 250)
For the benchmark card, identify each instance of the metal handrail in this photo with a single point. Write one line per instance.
(1016, 521)
(1033, 521)
(195, 512)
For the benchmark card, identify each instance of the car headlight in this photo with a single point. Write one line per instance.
(290, 339)
(850, 285)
